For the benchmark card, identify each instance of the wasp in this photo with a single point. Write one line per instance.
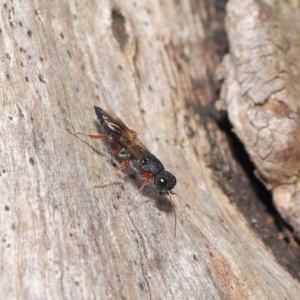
(124, 142)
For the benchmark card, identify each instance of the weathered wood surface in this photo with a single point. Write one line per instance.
(62, 239)
(261, 93)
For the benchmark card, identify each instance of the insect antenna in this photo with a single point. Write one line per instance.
(177, 195)
(173, 208)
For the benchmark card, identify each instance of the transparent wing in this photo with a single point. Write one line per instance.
(125, 136)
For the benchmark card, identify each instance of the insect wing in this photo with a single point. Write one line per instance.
(113, 122)
(133, 145)
(123, 135)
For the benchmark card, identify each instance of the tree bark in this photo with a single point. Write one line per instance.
(63, 239)
(262, 95)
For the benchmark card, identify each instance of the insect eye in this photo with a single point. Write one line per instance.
(164, 181)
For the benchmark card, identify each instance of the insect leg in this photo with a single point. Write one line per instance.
(123, 166)
(115, 149)
(91, 136)
(113, 146)
(148, 177)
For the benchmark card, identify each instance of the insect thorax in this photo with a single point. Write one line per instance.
(149, 163)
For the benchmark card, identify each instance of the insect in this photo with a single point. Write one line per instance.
(125, 144)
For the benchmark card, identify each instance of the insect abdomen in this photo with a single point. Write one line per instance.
(99, 113)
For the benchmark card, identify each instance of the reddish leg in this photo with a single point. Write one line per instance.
(123, 166)
(113, 146)
(148, 177)
(91, 136)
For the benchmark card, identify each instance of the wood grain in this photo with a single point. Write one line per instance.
(62, 239)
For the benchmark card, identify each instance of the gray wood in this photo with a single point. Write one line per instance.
(63, 239)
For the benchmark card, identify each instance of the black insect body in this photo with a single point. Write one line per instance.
(163, 181)
(124, 142)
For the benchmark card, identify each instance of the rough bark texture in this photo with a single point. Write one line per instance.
(62, 239)
(261, 93)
